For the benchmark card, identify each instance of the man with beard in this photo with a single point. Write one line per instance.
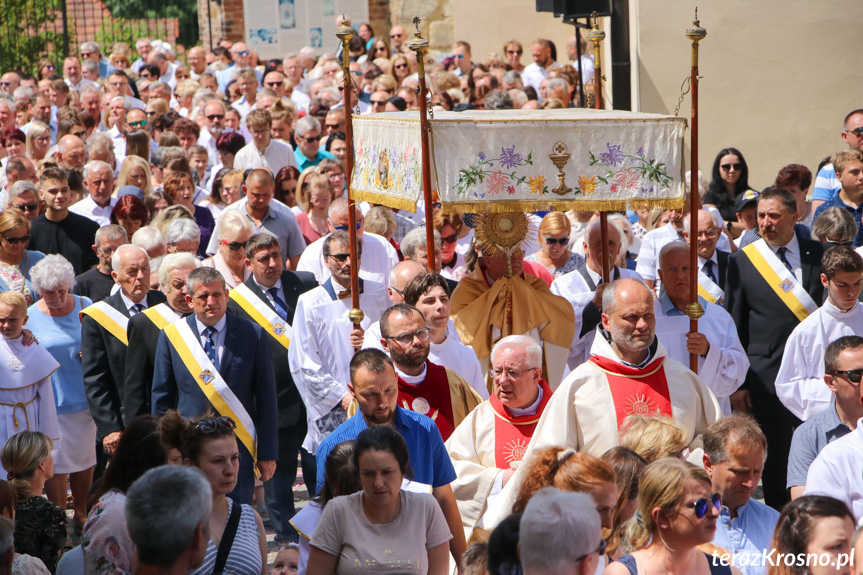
(374, 384)
(214, 112)
(424, 387)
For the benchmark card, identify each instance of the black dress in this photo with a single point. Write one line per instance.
(40, 530)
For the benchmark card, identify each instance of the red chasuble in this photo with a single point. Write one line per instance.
(512, 434)
(639, 391)
(431, 398)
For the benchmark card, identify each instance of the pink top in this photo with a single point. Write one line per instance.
(310, 234)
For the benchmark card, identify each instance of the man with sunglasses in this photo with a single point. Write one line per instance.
(827, 185)
(462, 55)
(239, 59)
(734, 453)
(324, 338)
(799, 382)
(307, 132)
(24, 196)
(275, 81)
(214, 125)
(397, 37)
(90, 51)
(9, 82)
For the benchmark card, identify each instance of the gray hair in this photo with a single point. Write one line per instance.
(7, 536)
(164, 508)
(21, 91)
(20, 187)
(533, 351)
(51, 273)
(558, 83)
(512, 77)
(9, 102)
(203, 275)
(306, 124)
(127, 103)
(687, 222)
(204, 96)
(232, 222)
(155, 85)
(676, 245)
(90, 65)
(835, 223)
(112, 232)
(87, 88)
(182, 230)
(179, 261)
(416, 239)
(90, 46)
(149, 238)
(557, 529)
(98, 144)
(609, 296)
(519, 98)
(95, 164)
(116, 259)
(498, 100)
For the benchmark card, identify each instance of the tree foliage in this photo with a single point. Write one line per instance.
(186, 12)
(29, 31)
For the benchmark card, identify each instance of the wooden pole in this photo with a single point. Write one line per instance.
(597, 36)
(696, 33)
(345, 33)
(420, 45)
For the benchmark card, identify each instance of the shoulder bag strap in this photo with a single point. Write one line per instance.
(227, 538)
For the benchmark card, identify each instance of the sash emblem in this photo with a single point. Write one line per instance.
(515, 451)
(207, 377)
(786, 285)
(640, 404)
(279, 328)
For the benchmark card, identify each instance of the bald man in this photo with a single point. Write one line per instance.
(71, 152)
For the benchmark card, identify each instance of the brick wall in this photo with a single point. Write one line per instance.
(379, 17)
(233, 20)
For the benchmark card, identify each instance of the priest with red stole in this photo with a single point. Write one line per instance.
(425, 387)
(488, 446)
(628, 373)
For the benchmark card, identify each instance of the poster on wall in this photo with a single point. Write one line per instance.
(278, 27)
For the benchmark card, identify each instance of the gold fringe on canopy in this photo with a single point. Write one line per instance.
(384, 200)
(560, 206)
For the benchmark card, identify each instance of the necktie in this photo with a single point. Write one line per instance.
(137, 308)
(209, 346)
(708, 270)
(781, 253)
(281, 306)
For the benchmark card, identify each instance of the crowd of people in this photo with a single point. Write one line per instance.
(175, 298)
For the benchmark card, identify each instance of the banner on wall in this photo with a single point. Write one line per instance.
(277, 27)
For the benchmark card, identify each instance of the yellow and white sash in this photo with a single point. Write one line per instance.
(780, 280)
(262, 314)
(708, 289)
(162, 315)
(108, 317)
(212, 384)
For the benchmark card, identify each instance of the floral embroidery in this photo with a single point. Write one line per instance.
(586, 185)
(509, 159)
(633, 171)
(537, 185)
(628, 180)
(510, 189)
(478, 172)
(497, 182)
(613, 156)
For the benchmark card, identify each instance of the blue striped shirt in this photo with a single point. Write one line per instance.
(244, 557)
(429, 459)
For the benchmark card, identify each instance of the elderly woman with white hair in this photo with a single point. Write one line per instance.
(183, 235)
(56, 323)
(234, 230)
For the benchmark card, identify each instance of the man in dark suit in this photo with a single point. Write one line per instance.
(772, 285)
(232, 375)
(144, 332)
(104, 340)
(713, 263)
(269, 297)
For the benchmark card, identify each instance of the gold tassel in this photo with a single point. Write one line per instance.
(384, 199)
(559, 205)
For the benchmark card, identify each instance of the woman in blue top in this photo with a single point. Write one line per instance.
(16, 261)
(56, 324)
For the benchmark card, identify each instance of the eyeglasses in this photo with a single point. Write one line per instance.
(341, 258)
(21, 240)
(42, 139)
(510, 373)
(709, 234)
(26, 207)
(393, 36)
(213, 117)
(736, 166)
(702, 505)
(450, 239)
(857, 132)
(854, 375)
(273, 84)
(345, 228)
(838, 243)
(310, 140)
(408, 338)
(138, 124)
(210, 424)
(514, 52)
(233, 246)
(243, 52)
(599, 551)
(561, 241)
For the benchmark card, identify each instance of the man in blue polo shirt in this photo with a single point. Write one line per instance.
(375, 387)
(307, 132)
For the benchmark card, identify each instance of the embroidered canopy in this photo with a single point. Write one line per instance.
(513, 160)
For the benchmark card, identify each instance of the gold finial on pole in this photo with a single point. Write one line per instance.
(419, 46)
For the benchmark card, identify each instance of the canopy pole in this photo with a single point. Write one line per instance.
(419, 46)
(596, 36)
(345, 32)
(696, 33)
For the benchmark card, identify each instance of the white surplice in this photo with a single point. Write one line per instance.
(379, 257)
(726, 364)
(800, 382)
(321, 351)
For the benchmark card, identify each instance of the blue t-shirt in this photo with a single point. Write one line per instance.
(61, 336)
(429, 459)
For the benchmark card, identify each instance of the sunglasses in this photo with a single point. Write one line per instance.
(332, 126)
(857, 132)
(150, 113)
(450, 239)
(311, 140)
(26, 207)
(212, 117)
(399, 66)
(81, 135)
(514, 52)
(50, 67)
(145, 75)
(21, 240)
(86, 54)
(378, 102)
(459, 56)
(392, 36)
(233, 246)
(243, 52)
(340, 258)
(854, 375)
(273, 84)
(210, 424)
(138, 124)
(345, 228)
(702, 505)
(561, 241)
(7, 84)
(736, 166)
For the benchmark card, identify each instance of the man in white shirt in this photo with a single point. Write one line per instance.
(647, 265)
(72, 74)
(247, 81)
(99, 181)
(144, 48)
(166, 68)
(293, 69)
(263, 151)
(214, 125)
(197, 62)
(534, 74)
(799, 383)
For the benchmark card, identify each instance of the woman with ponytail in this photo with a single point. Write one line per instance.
(40, 526)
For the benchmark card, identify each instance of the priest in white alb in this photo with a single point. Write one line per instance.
(324, 339)
(799, 384)
(378, 259)
(583, 288)
(722, 361)
(488, 446)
